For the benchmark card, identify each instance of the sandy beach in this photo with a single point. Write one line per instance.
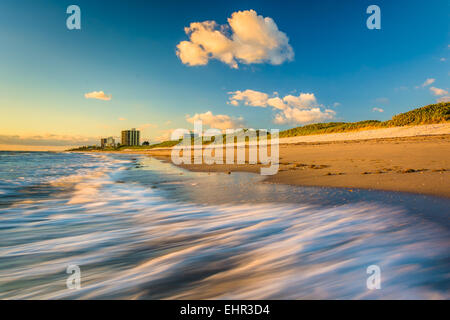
(408, 159)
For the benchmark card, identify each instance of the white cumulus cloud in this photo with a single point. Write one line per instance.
(291, 109)
(247, 38)
(249, 98)
(377, 109)
(220, 121)
(298, 116)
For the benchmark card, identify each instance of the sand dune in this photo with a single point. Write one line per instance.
(396, 132)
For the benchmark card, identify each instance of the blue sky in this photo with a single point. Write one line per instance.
(128, 49)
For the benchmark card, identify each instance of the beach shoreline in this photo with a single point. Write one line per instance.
(418, 162)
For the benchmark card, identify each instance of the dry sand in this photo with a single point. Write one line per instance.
(411, 159)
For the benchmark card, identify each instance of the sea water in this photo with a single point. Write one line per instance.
(140, 228)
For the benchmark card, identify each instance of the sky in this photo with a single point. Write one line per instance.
(160, 65)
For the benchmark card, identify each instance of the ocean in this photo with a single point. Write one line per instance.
(141, 228)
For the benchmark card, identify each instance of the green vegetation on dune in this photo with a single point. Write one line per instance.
(329, 127)
(165, 144)
(433, 113)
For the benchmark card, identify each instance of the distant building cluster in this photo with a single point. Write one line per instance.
(129, 138)
(108, 142)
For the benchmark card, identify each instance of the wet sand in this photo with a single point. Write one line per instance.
(396, 162)
(408, 164)
(418, 165)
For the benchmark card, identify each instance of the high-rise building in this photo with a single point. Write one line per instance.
(131, 137)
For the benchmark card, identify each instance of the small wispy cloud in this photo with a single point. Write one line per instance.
(122, 119)
(438, 91)
(382, 100)
(377, 109)
(337, 104)
(443, 59)
(401, 88)
(443, 99)
(99, 95)
(428, 82)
